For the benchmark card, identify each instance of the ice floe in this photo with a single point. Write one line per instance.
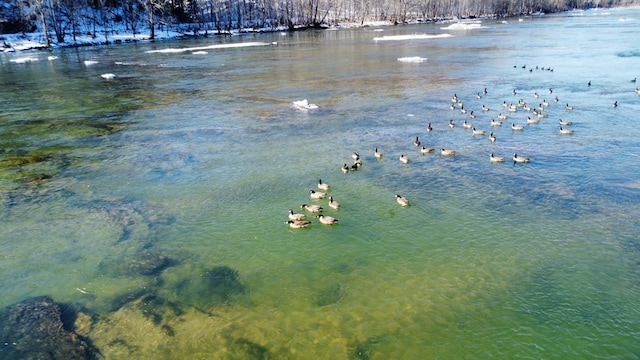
(411, 37)
(412, 59)
(210, 47)
(304, 105)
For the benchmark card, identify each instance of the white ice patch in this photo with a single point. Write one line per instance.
(23, 60)
(108, 76)
(90, 62)
(464, 26)
(199, 53)
(304, 105)
(411, 37)
(412, 59)
(210, 47)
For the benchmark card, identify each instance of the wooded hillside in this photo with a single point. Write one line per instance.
(67, 18)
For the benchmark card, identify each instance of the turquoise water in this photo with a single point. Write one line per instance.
(198, 158)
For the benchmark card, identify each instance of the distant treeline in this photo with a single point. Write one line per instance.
(65, 19)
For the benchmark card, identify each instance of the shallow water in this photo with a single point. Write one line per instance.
(198, 157)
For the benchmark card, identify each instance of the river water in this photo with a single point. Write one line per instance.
(155, 202)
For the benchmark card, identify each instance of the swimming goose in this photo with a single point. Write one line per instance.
(327, 220)
(466, 125)
(323, 186)
(295, 216)
(502, 117)
(496, 122)
(472, 115)
(615, 104)
(492, 137)
(333, 204)
(298, 224)
(429, 128)
(484, 91)
(416, 142)
(452, 107)
(426, 150)
(311, 208)
(565, 131)
(532, 121)
(535, 95)
(355, 155)
(477, 132)
(402, 201)
(404, 159)
(345, 168)
(633, 80)
(451, 124)
(494, 158)
(568, 107)
(484, 108)
(520, 159)
(545, 103)
(317, 194)
(478, 96)
(555, 99)
(454, 98)
(377, 154)
(550, 91)
(462, 110)
(447, 152)
(517, 127)
(638, 91)
(564, 122)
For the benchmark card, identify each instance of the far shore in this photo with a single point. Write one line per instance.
(35, 40)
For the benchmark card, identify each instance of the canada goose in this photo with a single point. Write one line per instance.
(564, 122)
(463, 110)
(454, 98)
(568, 107)
(502, 116)
(451, 124)
(333, 204)
(317, 194)
(472, 115)
(323, 186)
(484, 91)
(484, 108)
(477, 132)
(426, 150)
(429, 128)
(638, 91)
(447, 152)
(402, 201)
(345, 168)
(298, 224)
(535, 95)
(355, 155)
(327, 220)
(452, 107)
(532, 121)
(550, 91)
(466, 125)
(517, 127)
(404, 159)
(494, 158)
(504, 104)
(416, 142)
(295, 216)
(377, 154)
(492, 137)
(615, 104)
(520, 159)
(513, 108)
(556, 99)
(513, 92)
(311, 208)
(565, 131)
(589, 83)
(633, 80)
(355, 166)
(496, 122)
(545, 103)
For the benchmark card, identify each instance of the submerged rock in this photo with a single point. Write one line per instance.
(217, 285)
(37, 328)
(146, 262)
(330, 294)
